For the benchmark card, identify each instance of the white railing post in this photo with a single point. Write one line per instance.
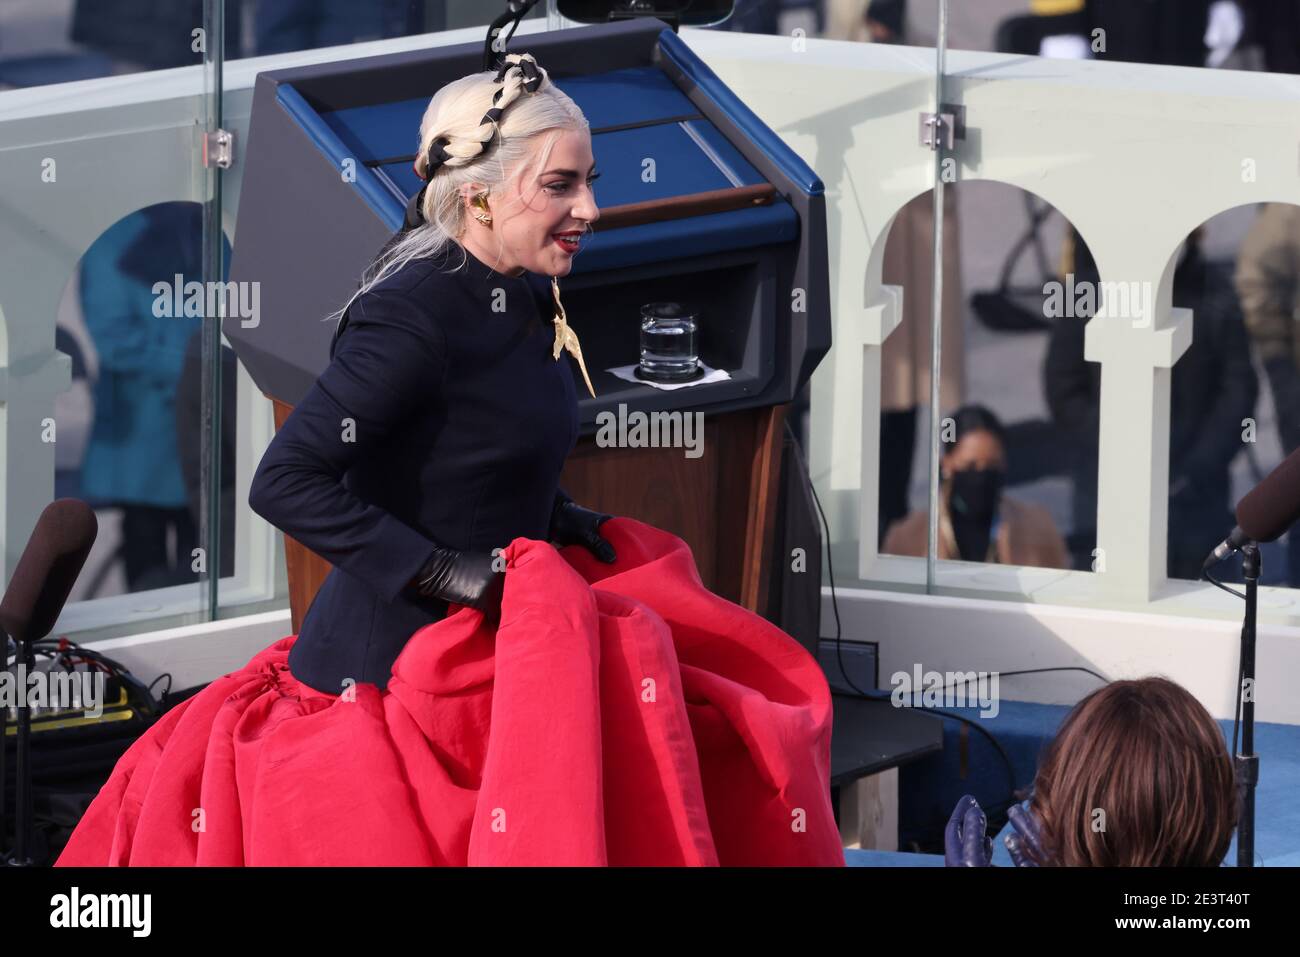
(880, 319)
(1137, 348)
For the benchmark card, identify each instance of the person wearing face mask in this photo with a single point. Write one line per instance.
(977, 521)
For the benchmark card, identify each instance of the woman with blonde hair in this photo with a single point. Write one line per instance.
(495, 214)
(461, 692)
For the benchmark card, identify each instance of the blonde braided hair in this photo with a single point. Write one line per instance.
(495, 148)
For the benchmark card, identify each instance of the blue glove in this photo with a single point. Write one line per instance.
(1025, 842)
(965, 840)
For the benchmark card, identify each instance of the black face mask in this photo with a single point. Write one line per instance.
(972, 503)
(976, 492)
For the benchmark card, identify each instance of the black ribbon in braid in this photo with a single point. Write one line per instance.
(438, 155)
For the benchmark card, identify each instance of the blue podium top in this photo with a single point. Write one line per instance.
(636, 114)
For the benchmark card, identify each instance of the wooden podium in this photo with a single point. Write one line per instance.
(722, 504)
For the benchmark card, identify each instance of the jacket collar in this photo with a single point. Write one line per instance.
(482, 278)
(475, 267)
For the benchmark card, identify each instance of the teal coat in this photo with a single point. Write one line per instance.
(131, 456)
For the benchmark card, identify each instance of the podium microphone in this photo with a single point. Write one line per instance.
(41, 583)
(1268, 510)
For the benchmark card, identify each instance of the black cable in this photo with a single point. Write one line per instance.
(1241, 663)
(830, 570)
(879, 695)
(1236, 712)
(163, 696)
(1231, 591)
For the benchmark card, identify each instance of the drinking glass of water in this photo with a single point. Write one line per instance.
(668, 342)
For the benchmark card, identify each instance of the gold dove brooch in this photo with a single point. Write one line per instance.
(565, 337)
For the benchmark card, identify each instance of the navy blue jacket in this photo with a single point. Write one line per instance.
(442, 418)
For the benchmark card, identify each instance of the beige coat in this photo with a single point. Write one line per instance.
(846, 20)
(1026, 536)
(1268, 281)
(905, 357)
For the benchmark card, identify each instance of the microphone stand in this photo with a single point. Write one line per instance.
(25, 660)
(1245, 760)
(4, 756)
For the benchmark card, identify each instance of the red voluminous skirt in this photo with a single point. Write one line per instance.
(619, 715)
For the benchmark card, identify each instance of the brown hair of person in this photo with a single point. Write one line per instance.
(1138, 775)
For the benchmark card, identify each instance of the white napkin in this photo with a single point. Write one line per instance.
(710, 375)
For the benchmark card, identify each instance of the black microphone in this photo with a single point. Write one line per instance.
(48, 569)
(1267, 510)
(37, 592)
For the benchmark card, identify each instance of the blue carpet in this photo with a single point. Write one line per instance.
(968, 764)
(891, 859)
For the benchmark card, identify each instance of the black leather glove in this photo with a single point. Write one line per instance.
(466, 578)
(571, 524)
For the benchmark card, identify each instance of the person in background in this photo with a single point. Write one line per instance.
(1214, 391)
(131, 460)
(150, 34)
(977, 523)
(1169, 32)
(1274, 26)
(1268, 282)
(866, 21)
(1138, 775)
(283, 26)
